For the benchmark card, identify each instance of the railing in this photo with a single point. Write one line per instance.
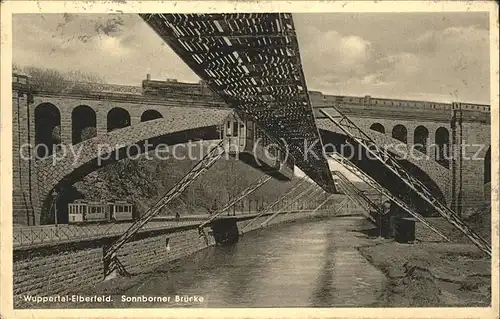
(44, 235)
(94, 87)
(58, 234)
(104, 87)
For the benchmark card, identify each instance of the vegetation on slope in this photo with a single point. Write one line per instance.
(55, 81)
(144, 181)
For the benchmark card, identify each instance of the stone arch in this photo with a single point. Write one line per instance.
(434, 172)
(388, 179)
(378, 127)
(400, 133)
(150, 115)
(425, 179)
(442, 140)
(83, 124)
(179, 128)
(117, 118)
(421, 138)
(47, 129)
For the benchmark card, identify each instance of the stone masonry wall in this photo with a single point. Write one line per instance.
(56, 270)
(75, 267)
(101, 104)
(150, 252)
(363, 110)
(22, 173)
(180, 119)
(471, 136)
(473, 166)
(67, 269)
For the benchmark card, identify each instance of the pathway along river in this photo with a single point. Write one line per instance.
(303, 264)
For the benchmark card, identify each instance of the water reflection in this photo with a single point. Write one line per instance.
(313, 264)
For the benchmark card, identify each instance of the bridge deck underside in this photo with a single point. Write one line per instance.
(252, 62)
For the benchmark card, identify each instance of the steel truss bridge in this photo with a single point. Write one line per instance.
(252, 61)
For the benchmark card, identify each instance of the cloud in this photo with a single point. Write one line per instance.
(449, 64)
(121, 48)
(443, 57)
(456, 37)
(329, 53)
(404, 63)
(454, 61)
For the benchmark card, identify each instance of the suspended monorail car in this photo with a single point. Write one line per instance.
(252, 145)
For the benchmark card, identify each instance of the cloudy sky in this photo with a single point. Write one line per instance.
(426, 56)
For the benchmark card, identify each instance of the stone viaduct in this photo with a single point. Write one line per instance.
(117, 115)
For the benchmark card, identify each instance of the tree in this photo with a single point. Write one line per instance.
(43, 79)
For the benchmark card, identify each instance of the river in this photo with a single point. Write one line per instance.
(304, 264)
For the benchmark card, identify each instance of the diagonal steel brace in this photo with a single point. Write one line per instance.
(308, 197)
(356, 196)
(370, 181)
(358, 193)
(279, 200)
(202, 166)
(311, 187)
(342, 204)
(247, 191)
(322, 203)
(389, 161)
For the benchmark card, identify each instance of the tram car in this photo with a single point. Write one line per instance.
(81, 211)
(245, 139)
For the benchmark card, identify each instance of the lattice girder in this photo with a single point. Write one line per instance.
(381, 189)
(252, 62)
(322, 203)
(353, 193)
(295, 200)
(275, 203)
(313, 195)
(202, 166)
(418, 188)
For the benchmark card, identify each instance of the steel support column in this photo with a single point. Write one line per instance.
(290, 204)
(247, 191)
(279, 200)
(110, 258)
(384, 157)
(357, 196)
(370, 181)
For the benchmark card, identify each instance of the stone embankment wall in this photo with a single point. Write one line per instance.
(68, 268)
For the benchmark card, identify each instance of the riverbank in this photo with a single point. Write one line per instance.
(173, 258)
(431, 274)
